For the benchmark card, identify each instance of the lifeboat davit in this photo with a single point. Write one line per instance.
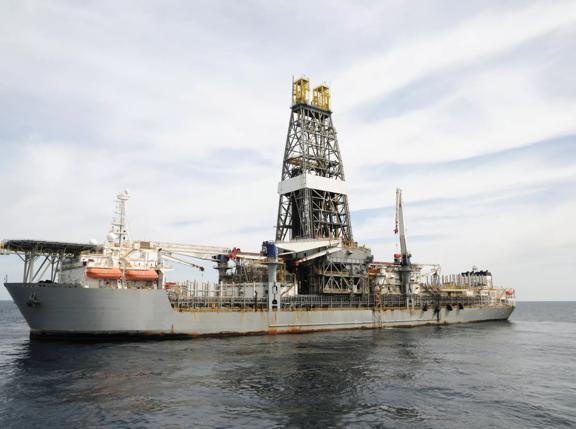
(103, 273)
(141, 275)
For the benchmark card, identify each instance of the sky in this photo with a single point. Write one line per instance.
(469, 107)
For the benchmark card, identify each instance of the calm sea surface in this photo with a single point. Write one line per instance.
(513, 374)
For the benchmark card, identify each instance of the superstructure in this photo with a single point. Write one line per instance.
(312, 277)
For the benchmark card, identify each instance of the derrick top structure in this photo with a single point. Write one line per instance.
(301, 94)
(313, 196)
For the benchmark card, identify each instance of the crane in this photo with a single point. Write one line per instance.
(171, 257)
(399, 229)
(220, 255)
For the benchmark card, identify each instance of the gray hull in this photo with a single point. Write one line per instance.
(57, 310)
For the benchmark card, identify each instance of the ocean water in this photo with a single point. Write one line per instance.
(516, 374)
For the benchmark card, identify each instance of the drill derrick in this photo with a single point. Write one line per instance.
(313, 198)
(313, 222)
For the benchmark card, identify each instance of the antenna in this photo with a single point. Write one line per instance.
(119, 229)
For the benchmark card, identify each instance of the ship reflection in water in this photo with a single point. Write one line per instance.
(494, 373)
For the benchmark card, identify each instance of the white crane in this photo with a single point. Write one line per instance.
(399, 228)
(401, 231)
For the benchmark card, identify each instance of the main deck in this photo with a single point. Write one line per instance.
(55, 310)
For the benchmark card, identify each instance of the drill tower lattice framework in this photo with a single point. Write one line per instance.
(313, 199)
(313, 204)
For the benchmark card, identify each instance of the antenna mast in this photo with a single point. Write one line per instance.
(119, 228)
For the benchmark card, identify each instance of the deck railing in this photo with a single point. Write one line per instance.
(312, 302)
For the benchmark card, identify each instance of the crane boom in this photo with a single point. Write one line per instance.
(405, 269)
(191, 250)
(400, 229)
(170, 256)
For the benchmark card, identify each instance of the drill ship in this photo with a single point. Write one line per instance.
(312, 277)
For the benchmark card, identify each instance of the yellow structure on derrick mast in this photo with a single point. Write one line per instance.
(321, 97)
(300, 91)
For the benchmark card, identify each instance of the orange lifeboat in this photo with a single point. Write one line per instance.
(141, 275)
(103, 273)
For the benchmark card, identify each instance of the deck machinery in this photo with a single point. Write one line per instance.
(314, 229)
